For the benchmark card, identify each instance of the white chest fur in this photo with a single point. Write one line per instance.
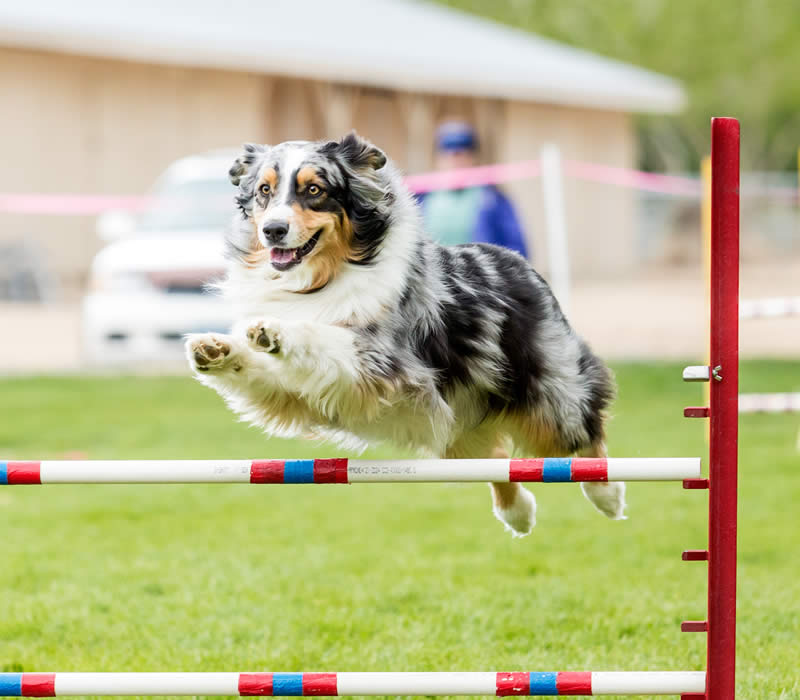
(356, 296)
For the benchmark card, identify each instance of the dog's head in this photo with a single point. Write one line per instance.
(311, 207)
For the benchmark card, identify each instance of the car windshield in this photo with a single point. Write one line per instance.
(188, 205)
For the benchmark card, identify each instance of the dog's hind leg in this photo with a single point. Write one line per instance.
(512, 504)
(548, 439)
(607, 496)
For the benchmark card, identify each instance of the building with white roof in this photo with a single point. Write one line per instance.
(99, 96)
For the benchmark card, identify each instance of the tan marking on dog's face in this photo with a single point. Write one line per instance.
(308, 222)
(334, 247)
(268, 177)
(308, 176)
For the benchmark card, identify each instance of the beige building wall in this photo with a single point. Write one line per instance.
(80, 125)
(599, 218)
(85, 125)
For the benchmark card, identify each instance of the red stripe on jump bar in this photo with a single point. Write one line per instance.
(23, 473)
(588, 469)
(526, 470)
(330, 471)
(266, 471)
(39, 685)
(255, 683)
(574, 683)
(513, 683)
(320, 683)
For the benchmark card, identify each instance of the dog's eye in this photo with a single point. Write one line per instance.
(314, 190)
(264, 189)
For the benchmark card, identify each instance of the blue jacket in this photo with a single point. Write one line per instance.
(494, 221)
(497, 223)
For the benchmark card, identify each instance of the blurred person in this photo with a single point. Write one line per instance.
(479, 214)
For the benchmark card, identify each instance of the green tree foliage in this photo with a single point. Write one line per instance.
(736, 58)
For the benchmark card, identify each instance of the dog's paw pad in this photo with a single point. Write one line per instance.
(265, 336)
(208, 352)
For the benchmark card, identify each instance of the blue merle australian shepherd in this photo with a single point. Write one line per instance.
(354, 326)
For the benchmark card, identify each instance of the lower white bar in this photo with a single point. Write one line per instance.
(648, 683)
(147, 684)
(428, 683)
(157, 471)
(434, 683)
(369, 470)
(653, 468)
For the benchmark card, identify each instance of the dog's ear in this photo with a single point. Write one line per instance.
(370, 196)
(243, 174)
(357, 152)
(241, 166)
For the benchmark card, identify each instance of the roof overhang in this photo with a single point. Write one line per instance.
(398, 44)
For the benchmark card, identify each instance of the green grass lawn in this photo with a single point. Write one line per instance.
(371, 577)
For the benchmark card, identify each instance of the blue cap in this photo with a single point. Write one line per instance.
(456, 136)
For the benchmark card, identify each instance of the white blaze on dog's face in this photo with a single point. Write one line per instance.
(292, 208)
(312, 206)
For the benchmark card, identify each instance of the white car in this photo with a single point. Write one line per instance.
(148, 287)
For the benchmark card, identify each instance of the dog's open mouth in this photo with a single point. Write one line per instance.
(284, 258)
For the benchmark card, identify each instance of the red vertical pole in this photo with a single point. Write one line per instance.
(723, 441)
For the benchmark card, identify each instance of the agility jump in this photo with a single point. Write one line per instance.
(716, 683)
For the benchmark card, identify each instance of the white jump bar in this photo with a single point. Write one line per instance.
(343, 471)
(333, 684)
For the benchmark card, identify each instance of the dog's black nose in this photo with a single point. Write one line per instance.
(275, 232)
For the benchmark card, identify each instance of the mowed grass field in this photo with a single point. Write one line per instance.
(370, 577)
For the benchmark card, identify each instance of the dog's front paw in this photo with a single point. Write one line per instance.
(266, 336)
(210, 352)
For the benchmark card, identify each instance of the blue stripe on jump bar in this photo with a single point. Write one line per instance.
(544, 683)
(3, 473)
(10, 683)
(287, 683)
(298, 471)
(557, 469)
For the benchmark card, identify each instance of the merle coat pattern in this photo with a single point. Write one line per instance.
(355, 327)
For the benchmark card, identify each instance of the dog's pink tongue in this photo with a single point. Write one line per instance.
(281, 255)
